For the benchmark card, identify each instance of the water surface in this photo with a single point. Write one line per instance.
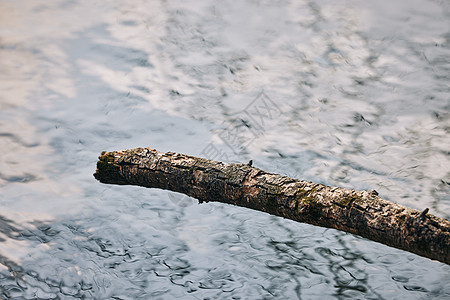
(343, 93)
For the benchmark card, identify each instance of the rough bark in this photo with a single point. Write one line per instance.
(359, 212)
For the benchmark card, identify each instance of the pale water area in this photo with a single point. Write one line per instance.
(346, 93)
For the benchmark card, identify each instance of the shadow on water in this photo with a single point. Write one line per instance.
(180, 255)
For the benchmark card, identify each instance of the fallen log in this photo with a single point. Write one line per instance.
(359, 212)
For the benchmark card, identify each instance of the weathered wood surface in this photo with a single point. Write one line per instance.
(360, 212)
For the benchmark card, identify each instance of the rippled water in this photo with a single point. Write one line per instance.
(345, 93)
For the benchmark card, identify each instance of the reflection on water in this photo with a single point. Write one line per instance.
(359, 98)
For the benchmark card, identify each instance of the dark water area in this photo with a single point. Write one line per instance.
(346, 93)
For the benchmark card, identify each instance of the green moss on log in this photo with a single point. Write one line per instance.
(104, 165)
(314, 206)
(347, 200)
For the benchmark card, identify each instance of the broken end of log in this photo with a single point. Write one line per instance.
(107, 171)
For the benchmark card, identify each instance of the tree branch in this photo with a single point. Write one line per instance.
(358, 212)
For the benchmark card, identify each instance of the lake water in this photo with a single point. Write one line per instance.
(346, 93)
